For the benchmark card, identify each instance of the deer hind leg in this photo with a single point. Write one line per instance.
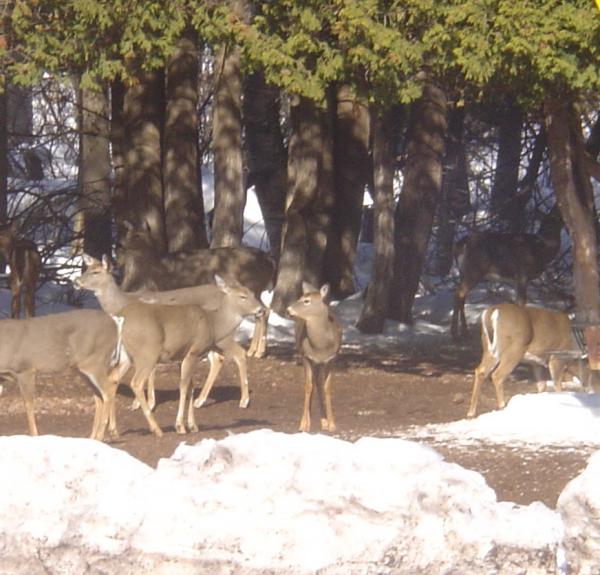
(151, 393)
(26, 383)
(185, 397)
(509, 359)
(215, 360)
(308, 389)
(258, 345)
(140, 377)
(482, 373)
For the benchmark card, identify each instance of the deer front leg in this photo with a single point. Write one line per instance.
(233, 349)
(185, 397)
(216, 363)
(308, 388)
(328, 424)
(26, 383)
(459, 320)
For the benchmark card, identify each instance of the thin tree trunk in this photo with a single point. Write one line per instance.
(117, 145)
(143, 113)
(373, 314)
(184, 206)
(267, 160)
(230, 193)
(574, 209)
(418, 199)
(351, 160)
(95, 172)
(305, 153)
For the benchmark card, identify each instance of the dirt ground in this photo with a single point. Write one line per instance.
(375, 393)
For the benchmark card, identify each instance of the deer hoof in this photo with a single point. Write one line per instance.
(199, 402)
(180, 429)
(157, 431)
(244, 402)
(134, 405)
(327, 425)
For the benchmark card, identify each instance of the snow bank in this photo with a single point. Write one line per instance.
(579, 506)
(260, 502)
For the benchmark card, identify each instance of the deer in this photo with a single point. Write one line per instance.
(517, 257)
(152, 332)
(144, 269)
(511, 334)
(318, 339)
(85, 340)
(25, 265)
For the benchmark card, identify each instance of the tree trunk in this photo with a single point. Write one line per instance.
(95, 172)
(454, 198)
(117, 145)
(266, 154)
(351, 161)
(184, 206)
(304, 231)
(143, 114)
(372, 317)
(574, 209)
(230, 196)
(418, 199)
(506, 176)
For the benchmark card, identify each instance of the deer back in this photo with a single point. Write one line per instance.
(55, 342)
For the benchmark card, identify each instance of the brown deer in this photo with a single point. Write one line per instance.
(25, 264)
(516, 257)
(85, 340)
(511, 334)
(319, 338)
(144, 269)
(152, 332)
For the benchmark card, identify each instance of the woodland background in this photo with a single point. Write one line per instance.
(451, 115)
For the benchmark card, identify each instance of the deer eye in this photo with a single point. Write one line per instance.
(306, 301)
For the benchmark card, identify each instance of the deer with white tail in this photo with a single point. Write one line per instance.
(511, 334)
(319, 339)
(517, 257)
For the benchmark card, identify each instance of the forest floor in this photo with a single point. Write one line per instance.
(376, 393)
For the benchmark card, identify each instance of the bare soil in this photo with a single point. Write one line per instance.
(375, 393)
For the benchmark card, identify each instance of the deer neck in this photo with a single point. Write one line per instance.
(112, 300)
(225, 321)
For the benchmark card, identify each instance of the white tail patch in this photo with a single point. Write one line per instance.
(117, 355)
(491, 339)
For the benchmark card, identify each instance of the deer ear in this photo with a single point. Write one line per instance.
(220, 283)
(127, 225)
(324, 291)
(106, 263)
(89, 260)
(307, 287)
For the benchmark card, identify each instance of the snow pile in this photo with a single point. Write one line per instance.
(552, 418)
(258, 502)
(579, 505)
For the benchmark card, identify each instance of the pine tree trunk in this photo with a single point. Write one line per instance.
(506, 175)
(351, 161)
(373, 314)
(266, 154)
(117, 145)
(454, 198)
(418, 199)
(305, 228)
(95, 172)
(575, 211)
(143, 113)
(230, 195)
(184, 206)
